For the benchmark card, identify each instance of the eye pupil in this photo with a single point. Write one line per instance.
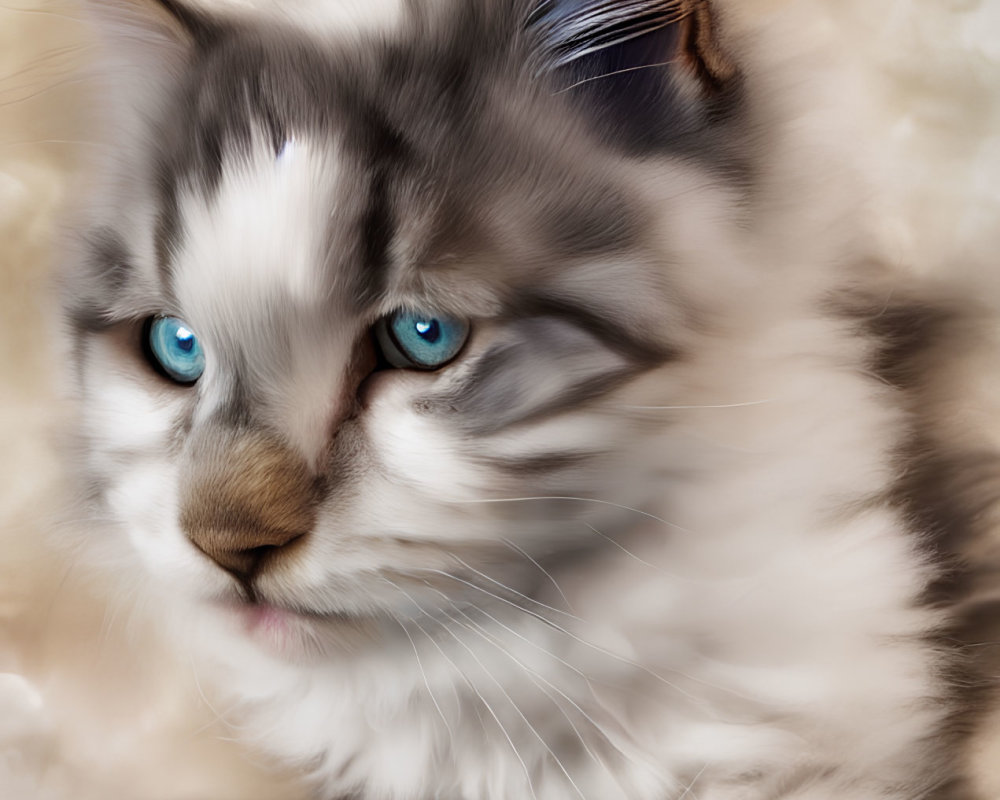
(430, 331)
(185, 340)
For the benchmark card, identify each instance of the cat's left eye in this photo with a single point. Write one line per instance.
(173, 349)
(420, 340)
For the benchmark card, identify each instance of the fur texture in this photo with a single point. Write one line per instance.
(684, 518)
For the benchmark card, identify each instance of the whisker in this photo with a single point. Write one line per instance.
(514, 591)
(478, 629)
(621, 547)
(512, 703)
(427, 683)
(689, 790)
(433, 641)
(495, 596)
(515, 633)
(472, 686)
(616, 72)
(545, 572)
(696, 700)
(700, 702)
(672, 575)
(604, 733)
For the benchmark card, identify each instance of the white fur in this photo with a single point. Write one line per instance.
(337, 17)
(249, 253)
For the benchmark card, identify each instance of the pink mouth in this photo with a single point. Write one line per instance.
(275, 629)
(266, 620)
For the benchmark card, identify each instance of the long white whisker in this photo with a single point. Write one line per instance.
(427, 683)
(514, 591)
(510, 699)
(472, 686)
(630, 554)
(604, 733)
(444, 655)
(478, 629)
(584, 642)
(495, 596)
(515, 633)
(690, 787)
(545, 572)
(616, 72)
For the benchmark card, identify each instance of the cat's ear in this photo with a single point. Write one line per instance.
(151, 30)
(146, 47)
(649, 70)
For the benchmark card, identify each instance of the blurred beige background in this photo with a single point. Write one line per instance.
(91, 709)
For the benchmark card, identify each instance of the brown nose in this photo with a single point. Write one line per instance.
(244, 496)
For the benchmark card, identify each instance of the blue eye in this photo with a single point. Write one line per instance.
(174, 350)
(419, 340)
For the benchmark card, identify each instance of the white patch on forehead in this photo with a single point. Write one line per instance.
(330, 16)
(253, 278)
(348, 16)
(262, 233)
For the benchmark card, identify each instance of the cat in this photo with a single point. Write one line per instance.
(495, 399)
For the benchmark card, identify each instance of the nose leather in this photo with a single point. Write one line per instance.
(246, 496)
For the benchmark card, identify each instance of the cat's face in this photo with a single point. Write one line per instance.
(372, 326)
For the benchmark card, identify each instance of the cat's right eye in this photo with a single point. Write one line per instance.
(420, 340)
(173, 349)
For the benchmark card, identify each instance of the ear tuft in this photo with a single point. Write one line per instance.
(651, 74)
(575, 31)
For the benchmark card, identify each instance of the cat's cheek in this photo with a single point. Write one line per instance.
(127, 415)
(143, 499)
(415, 447)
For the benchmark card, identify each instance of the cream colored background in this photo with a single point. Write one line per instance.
(92, 709)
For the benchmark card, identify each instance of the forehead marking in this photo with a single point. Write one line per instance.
(346, 16)
(262, 233)
(385, 155)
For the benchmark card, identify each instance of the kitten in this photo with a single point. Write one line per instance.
(461, 380)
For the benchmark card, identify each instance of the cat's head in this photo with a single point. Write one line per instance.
(368, 319)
